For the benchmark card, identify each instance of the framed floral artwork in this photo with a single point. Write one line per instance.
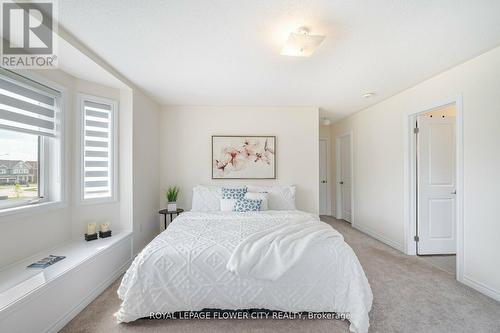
(243, 157)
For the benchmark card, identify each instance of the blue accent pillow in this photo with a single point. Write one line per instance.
(233, 193)
(247, 205)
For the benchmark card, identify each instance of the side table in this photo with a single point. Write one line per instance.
(165, 212)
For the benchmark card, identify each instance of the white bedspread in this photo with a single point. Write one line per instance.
(270, 253)
(184, 268)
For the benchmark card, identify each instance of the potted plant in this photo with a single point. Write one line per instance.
(171, 195)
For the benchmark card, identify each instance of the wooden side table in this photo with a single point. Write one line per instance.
(171, 214)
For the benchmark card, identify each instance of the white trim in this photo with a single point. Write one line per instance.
(31, 209)
(328, 176)
(377, 236)
(495, 294)
(460, 188)
(81, 98)
(410, 179)
(338, 192)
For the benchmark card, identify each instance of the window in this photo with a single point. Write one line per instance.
(15, 188)
(29, 120)
(98, 148)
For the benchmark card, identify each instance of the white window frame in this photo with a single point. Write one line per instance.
(52, 180)
(82, 98)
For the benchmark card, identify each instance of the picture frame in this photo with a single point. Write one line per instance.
(243, 157)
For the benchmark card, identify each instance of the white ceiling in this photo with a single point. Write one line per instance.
(77, 64)
(226, 52)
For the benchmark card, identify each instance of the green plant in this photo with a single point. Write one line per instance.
(171, 193)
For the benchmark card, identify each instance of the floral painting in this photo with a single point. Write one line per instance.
(243, 157)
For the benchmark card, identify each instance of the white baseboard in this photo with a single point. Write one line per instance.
(482, 288)
(379, 237)
(65, 319)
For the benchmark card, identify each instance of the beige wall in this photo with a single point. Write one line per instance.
(146, 169)
(379, 173)
(324, 131)
(447, 111)
(186, 146)
(126, 155)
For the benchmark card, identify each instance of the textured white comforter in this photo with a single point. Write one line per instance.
(184, 269)
(270, 253)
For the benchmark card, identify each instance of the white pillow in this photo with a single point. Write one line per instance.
(258, 196)
(227, 205)
(279, 197)
(206, 198)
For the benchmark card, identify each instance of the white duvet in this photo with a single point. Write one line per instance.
(275, 260)
(269, 254)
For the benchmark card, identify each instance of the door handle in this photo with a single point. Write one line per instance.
(454, 192)
(341, 183)
(323, 182)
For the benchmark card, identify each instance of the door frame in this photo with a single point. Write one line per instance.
(338, 189)
(328, 180)
(410, 179)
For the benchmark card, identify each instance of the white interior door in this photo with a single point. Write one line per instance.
(345, 182)
(323, 177)
(436, 226)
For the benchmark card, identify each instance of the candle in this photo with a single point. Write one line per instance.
(91, 228)
(104, 227)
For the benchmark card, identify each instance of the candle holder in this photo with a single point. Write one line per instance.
(90, 237)
(104, 234)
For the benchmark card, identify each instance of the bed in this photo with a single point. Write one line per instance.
(247, 260)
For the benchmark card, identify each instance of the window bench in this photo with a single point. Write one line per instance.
(44, 300)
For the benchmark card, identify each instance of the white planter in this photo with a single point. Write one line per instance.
(172, 206)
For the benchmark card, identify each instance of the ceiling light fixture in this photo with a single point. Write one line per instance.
(301, 43)
(369, 95)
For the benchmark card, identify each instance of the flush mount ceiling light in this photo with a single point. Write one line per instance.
(326, 121)
(301, 43)
(369, 95)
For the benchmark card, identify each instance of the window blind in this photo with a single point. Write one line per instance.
(25, 107)
(97, 150)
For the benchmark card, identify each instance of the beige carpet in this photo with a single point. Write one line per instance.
(445, 262)
(410, 295)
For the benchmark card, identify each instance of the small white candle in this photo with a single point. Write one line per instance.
(91, 228)
(105, 227)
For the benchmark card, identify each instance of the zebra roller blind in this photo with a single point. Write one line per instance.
(97, 150)
(27, 106)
